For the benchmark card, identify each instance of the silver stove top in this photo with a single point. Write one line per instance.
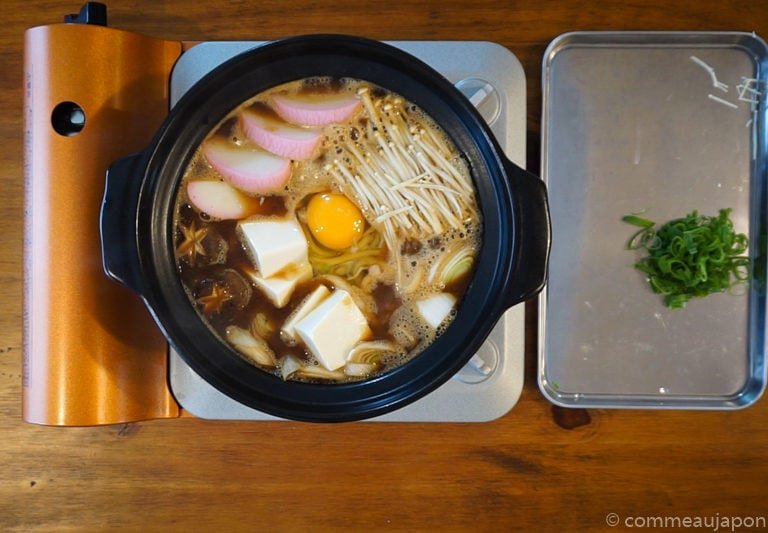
(491, 383)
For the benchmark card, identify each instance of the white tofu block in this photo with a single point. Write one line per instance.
(279, 287)
(332, 329)
(307, 306)
(434, 309)
(274, 243)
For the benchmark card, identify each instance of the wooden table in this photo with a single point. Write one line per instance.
(537, 468)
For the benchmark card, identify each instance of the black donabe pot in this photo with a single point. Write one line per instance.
(137, 226)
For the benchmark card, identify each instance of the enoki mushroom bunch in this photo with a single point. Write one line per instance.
(406, 178)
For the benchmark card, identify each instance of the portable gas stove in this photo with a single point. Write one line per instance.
(490, 384)
(92, 355)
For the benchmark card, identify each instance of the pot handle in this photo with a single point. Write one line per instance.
(119, 249)
(533, 231)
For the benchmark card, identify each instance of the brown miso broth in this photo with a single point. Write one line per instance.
(378, 207)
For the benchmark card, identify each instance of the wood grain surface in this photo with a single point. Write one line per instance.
(539, 468)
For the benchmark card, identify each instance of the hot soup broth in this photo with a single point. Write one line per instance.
(327, 230)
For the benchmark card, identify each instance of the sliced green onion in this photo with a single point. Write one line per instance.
(638, 221)
(690, 257)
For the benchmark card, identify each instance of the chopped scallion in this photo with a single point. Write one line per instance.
(690, 257)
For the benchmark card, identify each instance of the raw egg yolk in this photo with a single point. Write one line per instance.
(334, 220)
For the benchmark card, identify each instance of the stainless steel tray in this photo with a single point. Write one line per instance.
(634, 122)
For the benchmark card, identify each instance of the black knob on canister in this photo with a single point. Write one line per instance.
(91, 13)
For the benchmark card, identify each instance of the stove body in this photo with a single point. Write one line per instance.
(92, 355)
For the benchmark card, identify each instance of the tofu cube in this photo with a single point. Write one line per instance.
(332, 329)
(273, 243)
(436, 308)
(279, 287)
(307, 306)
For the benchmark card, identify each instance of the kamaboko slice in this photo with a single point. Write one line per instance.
(246, 167)
(220, 200)
(316, 111)
(280, 138)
